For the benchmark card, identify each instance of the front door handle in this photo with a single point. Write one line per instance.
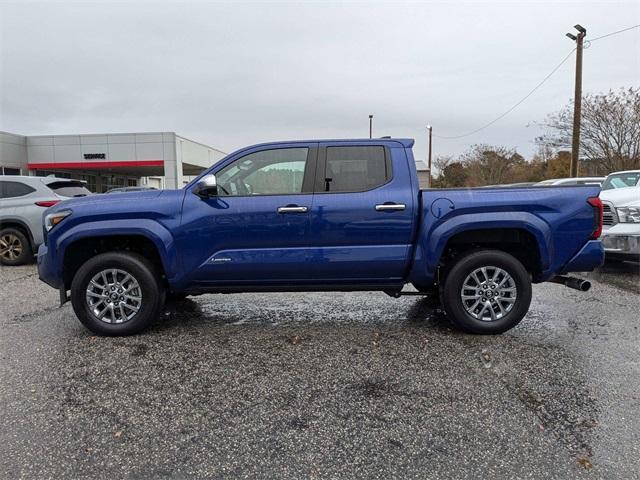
(292, 209)
(385, 207)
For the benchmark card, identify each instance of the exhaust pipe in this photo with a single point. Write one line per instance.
(572, 282)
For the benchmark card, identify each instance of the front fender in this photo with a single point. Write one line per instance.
(434, 236)
(150, 229)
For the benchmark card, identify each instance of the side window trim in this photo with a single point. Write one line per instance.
(308, 178)
(320, 186)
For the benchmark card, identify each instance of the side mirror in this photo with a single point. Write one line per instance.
(207, 186)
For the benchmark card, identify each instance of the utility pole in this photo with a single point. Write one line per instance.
(370, 126)
(577, 100)
(430, 128)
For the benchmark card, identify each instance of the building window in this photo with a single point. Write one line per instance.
(9, 171)
(91, 182)
(132, 182)
(51, 173)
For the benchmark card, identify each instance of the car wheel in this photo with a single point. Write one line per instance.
(15, 248)
(486, 292)
(117, 294)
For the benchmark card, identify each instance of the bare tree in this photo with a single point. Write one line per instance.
(487, 165)
(610, 130)
(451, 173)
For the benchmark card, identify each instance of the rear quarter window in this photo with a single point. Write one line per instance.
(14, 189)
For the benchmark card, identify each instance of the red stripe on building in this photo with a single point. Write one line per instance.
(95, 165)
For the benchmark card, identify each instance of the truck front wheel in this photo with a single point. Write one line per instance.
(486, 292)
(116, 294)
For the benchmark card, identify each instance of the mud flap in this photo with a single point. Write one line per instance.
(64, 298)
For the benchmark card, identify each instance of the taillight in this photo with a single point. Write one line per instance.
(598, 214)
(47, 203)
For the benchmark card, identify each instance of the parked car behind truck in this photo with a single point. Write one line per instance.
(621, 232)
(627, 178)
(340, 215)
(23, 199)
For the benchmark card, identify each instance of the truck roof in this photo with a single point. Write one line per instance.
(405, 142)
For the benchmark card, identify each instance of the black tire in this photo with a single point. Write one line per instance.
(142, 270)
(15, 247)
(462, 269)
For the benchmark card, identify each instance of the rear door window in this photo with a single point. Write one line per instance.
(69, 189)
(14, 189)
(355, 168)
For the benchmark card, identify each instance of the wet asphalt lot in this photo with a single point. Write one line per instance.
(323, 386)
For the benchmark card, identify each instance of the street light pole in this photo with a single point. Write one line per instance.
(577, 100)
(370, 126)
(430, 128)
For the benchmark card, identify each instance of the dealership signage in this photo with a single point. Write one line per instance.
(95, 156)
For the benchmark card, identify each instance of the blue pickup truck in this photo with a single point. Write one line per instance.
(337, 215)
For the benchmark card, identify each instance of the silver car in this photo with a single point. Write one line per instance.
(22, 202)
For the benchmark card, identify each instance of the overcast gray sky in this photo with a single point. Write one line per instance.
(232, 74)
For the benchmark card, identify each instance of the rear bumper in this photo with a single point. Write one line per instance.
(587, 259)
(46, 268)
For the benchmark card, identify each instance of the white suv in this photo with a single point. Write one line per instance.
(22, 202)
(621, 225)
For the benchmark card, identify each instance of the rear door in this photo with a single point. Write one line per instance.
(362, 218)
(17, 203)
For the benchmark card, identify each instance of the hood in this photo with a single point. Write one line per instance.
(111, 198)
(621, 196)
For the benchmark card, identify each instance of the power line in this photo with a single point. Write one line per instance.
(514, 106)
(536, 87)
(614, 33)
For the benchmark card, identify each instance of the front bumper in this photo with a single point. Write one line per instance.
(46, 269)
(622, 239)
(621, 244)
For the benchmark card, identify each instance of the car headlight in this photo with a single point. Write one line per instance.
(53, 219)
(629, 214)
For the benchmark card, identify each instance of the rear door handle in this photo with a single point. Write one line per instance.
(384, 207)
(292, 209)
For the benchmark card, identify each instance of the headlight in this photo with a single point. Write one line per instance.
(53, 219)
(629, 214)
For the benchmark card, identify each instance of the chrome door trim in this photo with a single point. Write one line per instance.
(390, 207)
(292, 209)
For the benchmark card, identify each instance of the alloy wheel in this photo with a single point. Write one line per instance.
(10, 247)
(488, 293)
(114, 296)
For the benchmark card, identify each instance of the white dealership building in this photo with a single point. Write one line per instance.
(105, 161)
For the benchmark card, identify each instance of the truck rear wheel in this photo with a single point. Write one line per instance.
(116, 294)
(486, 292)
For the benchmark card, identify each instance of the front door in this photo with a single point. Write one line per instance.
(256, 231)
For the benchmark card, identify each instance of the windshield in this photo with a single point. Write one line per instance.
(621, 180)
(69, 189)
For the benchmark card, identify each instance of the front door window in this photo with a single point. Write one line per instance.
(268, 172)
